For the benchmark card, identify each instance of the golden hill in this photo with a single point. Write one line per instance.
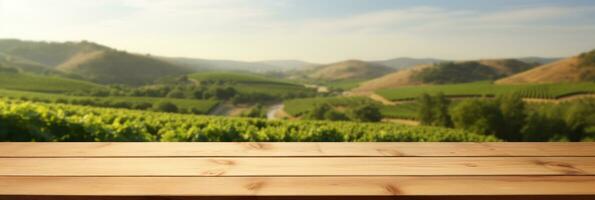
(110, 66)
(571, 69)
(506, 67)
(87, 60)
(501, 67)
(351, 69)
(395, 79)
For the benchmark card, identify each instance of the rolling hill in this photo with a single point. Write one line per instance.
(350, 69)
(399, 78)
(91, 61)
(250, 83)
(198, 64)
(573, 69)
(117, 67)
(507, 67)
(42, 83)
(486, 69)
(404, 62)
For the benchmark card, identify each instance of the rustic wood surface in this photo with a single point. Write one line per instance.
(297, 170)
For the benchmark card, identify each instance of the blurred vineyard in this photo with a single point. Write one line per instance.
(544, 91)
(27, 121)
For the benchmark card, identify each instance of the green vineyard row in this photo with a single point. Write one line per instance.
(27, 121)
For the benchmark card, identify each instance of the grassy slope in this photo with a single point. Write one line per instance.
(573, 69)
(351, 69)
(92, 61)
(407, 77)
(297, 107)
(487, 88)
(395, 79)
(204, 106)
(116, 67)
(251, 83)
(29, 82)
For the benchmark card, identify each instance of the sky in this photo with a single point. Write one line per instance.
(311, 30)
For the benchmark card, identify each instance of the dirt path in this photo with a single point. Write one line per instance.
(222, 109)
(273, 111)
(402, 121)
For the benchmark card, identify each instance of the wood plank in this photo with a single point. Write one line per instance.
(433, 197)
(294, 149)
(336, 166)
(299, 186)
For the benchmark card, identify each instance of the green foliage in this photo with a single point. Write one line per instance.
(580, 118)
(365, 113)
(450, 72)
(166, 106)
(478, 116)
(514, 114)
(434, 110)
(142, 103)
(178, 94)
(587, 59)
(38, 83)
(319, 112)
(346, 84)
(299, 107)
(248, 87)
(257, 111)
(509, 119)
(25, 121)
(118, 67)
(549, 91)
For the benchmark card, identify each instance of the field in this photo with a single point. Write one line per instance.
(297, 107)
(38, 83)
(251, 83)
(343, 84)
(200, 106)
(548, 91)
(26, 121)
(237, 77)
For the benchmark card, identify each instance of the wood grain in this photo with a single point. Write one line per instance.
(294, 149)
(299, 186)
(336, 166)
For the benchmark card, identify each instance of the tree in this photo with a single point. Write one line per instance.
(513, 112)
(478, 115)
(166, 106)
(442, 116)
(425, 113)
(257, 111)
(334, 115)
(366, 113)
(434, 110)
(578, 118)
(319, 111)
(178, 94)
(222, 93)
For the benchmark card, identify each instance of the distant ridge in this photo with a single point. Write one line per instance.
(349, 69)
(91, 61)
(407, 77)
(405, 62)
(573, 69)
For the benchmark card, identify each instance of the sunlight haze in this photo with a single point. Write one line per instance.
(314, 31)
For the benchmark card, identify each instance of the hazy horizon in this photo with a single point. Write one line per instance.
(311, 31)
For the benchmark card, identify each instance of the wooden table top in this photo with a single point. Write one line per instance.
(297, 170)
